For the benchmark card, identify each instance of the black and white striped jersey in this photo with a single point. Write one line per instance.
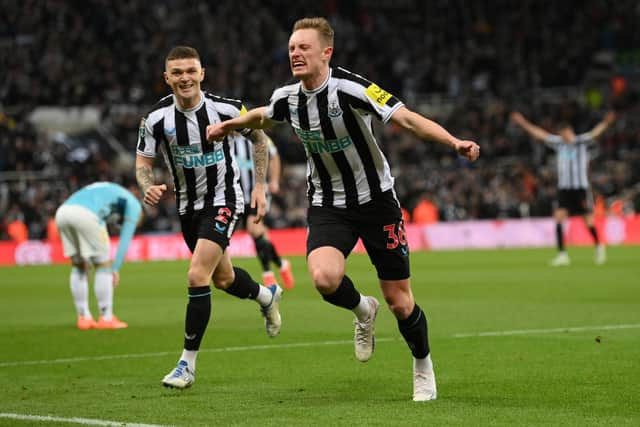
(572, 160)
(345, 166)
(243, 153)
(204, 174)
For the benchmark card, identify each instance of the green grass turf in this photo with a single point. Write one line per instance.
(538, 378)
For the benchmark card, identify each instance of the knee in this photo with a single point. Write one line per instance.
(223, 280)
(197, 277)
(326, 280)
(400, 303)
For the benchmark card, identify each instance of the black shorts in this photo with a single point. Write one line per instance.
(576, 202)
(378, 223)
(215, 223)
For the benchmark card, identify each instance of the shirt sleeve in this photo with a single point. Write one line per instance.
(382, 102)
(553, 141)
(147, 144)
(585, 138)
(278, 108)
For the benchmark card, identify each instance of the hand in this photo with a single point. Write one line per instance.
(259, 202)
(154, 193)
(610, 117)
(468, 149)
(274, 187)
(516, 117)
(216, 132)
(116, 279)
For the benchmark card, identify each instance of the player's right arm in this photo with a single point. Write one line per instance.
(144, 175)
(533, 130)
(599, 129)
(253, 119)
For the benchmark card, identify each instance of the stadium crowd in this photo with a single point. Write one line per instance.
(466, 64)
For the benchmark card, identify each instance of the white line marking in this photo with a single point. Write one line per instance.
(546, 331)
(310, 344)
(74, 420)
(169, 353)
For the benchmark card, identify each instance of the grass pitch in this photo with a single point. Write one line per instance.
(514, 342)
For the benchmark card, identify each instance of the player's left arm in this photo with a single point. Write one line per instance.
(601, 127)
(424, 128)
(260, 143)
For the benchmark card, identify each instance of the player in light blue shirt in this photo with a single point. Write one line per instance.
(82, 222)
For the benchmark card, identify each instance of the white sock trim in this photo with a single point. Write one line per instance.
(423, 365)
(363, 309)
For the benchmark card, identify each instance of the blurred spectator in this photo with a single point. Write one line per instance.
(425, 212)
(464, 65)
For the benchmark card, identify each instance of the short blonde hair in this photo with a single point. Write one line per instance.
(317, 23)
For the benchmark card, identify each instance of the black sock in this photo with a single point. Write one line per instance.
(594, 233)
(244, 286)
(345, 296)
(263, 251)
(197, 319)
(266, 252)
(414, 331)
(559, 237)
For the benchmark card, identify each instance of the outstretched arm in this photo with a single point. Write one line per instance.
(253, 119)
(144, 175)
(424, 128)
(599, 129)
(533, 130)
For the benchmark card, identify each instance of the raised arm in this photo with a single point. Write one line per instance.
(146, 182)
(424, 128)
(599, 129)
(533, 130)
(252, 119)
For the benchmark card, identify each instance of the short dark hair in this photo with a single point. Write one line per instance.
(182, 52)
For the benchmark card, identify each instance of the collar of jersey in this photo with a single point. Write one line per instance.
(189, 110)
(319, 88)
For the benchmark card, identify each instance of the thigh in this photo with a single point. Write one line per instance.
(84, 234)
(330, 227)
(381, 229)
(215, 224)
(205, 260)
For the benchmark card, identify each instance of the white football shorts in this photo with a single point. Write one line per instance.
(83, 234)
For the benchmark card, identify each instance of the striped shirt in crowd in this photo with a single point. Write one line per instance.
(345, 166)
(243, 153)
(204, 174)
(572, 160)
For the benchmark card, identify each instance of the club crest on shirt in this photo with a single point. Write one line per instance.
(334, 110)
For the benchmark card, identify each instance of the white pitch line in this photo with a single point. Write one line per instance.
(546, 331)
(169, 353)
(74, 420)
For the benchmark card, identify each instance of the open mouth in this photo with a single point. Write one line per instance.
(297, 64)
